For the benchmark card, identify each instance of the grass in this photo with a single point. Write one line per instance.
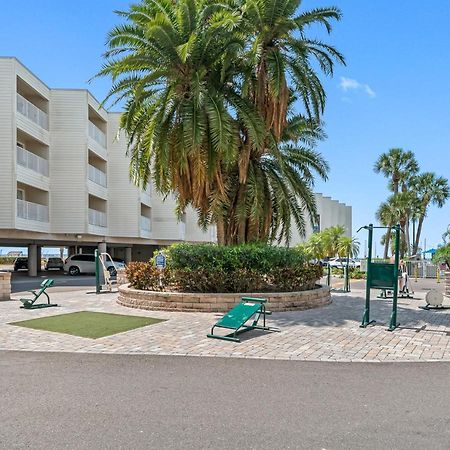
(88, 324)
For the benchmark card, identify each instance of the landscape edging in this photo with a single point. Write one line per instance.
(220, 302)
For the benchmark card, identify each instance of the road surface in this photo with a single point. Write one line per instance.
(82, 401)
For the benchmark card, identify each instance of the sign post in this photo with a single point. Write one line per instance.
(160, 264)
(366, 317)
(393, 323)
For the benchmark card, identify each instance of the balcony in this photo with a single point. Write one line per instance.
(96, 175)
(31, 161)
(97, 218)
(97, 134)
(32, 211)
(146, 224)
(32, 112)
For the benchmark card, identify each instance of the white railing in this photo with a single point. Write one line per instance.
(146, 224)
(97, 218)
(32, 112)
(32, 211)
(96, 175)
(31, 161)
(97, 134)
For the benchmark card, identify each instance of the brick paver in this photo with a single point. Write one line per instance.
(330, 333)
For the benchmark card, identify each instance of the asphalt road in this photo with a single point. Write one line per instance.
(20, 281)
(76, 401)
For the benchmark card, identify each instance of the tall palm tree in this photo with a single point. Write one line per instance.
(387, 215)
(399, 166)
(207, 88)
(430, 190)
(396, 209)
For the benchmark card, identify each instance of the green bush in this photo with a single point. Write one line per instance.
(243, 268)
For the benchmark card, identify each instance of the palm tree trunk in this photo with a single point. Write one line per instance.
(407, 240)
(221, 232)
(387, 242)
(419, 231)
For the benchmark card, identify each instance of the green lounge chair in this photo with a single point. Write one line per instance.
(30, 303)
(239, 315)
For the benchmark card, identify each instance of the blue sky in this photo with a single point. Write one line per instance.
(392, 93)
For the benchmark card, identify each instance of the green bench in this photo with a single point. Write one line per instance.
(236, 319)
(28, 303)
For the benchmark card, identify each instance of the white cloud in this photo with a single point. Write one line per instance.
(348, 84)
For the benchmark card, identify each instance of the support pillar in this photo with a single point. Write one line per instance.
(127, 255)
(102, 247)
(38, 258)
(32, 260)
(72, 250)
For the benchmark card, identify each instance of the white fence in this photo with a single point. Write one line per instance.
(97, 218)
(97, 134)
(32, 112)
(97, 176)
(32, 211)
(31, 161)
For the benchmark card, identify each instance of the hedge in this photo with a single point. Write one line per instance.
(210, 268)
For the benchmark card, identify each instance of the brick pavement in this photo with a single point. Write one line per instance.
(330, 333)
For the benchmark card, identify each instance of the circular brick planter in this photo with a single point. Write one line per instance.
(194, 302)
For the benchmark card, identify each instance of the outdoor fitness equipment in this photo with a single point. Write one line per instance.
(30, 303)
(103, 279)
(382, 276)
(346, 274)
(236, 318)
(434, 300)
(404, 292)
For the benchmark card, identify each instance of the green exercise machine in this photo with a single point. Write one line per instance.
(236, 319)
(30, 303)
(382, 276)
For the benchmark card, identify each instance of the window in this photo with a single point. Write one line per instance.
(20, 194)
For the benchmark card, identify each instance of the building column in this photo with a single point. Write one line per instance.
(112, 252)
(71, 250)
(32, 260)
(127, 255)
(38, 258)
(102, 247)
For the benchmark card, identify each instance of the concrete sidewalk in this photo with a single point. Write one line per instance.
(331, 333)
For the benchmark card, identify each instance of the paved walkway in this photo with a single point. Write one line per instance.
(331, 333)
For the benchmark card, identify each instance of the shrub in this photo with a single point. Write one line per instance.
(143, 275)
(243, 268)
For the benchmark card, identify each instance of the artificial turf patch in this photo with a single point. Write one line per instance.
(88, 324)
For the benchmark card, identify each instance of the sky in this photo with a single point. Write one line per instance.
(393, 92)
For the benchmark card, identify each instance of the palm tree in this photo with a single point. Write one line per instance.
(387, 215)
(208, 88)
(429, 190)
(278, 63)
(396, 209)
(398, 165)
(348, 247)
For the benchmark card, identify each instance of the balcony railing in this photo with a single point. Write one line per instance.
(32, 112)
(32, 211)
(31, 161)
(97, 218)
(97, 176)
(97, 134)
(146, 224)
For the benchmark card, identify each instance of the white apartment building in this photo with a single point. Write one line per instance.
(65, 182)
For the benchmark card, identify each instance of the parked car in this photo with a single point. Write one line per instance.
(54, 263)
(85, 263)
(342, 262)
(20, 263)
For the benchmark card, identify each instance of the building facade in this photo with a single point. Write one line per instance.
(65, 178)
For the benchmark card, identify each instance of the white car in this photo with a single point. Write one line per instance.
(342, 262)
(85, 263)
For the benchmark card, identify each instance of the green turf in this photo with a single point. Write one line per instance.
(88, 324)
